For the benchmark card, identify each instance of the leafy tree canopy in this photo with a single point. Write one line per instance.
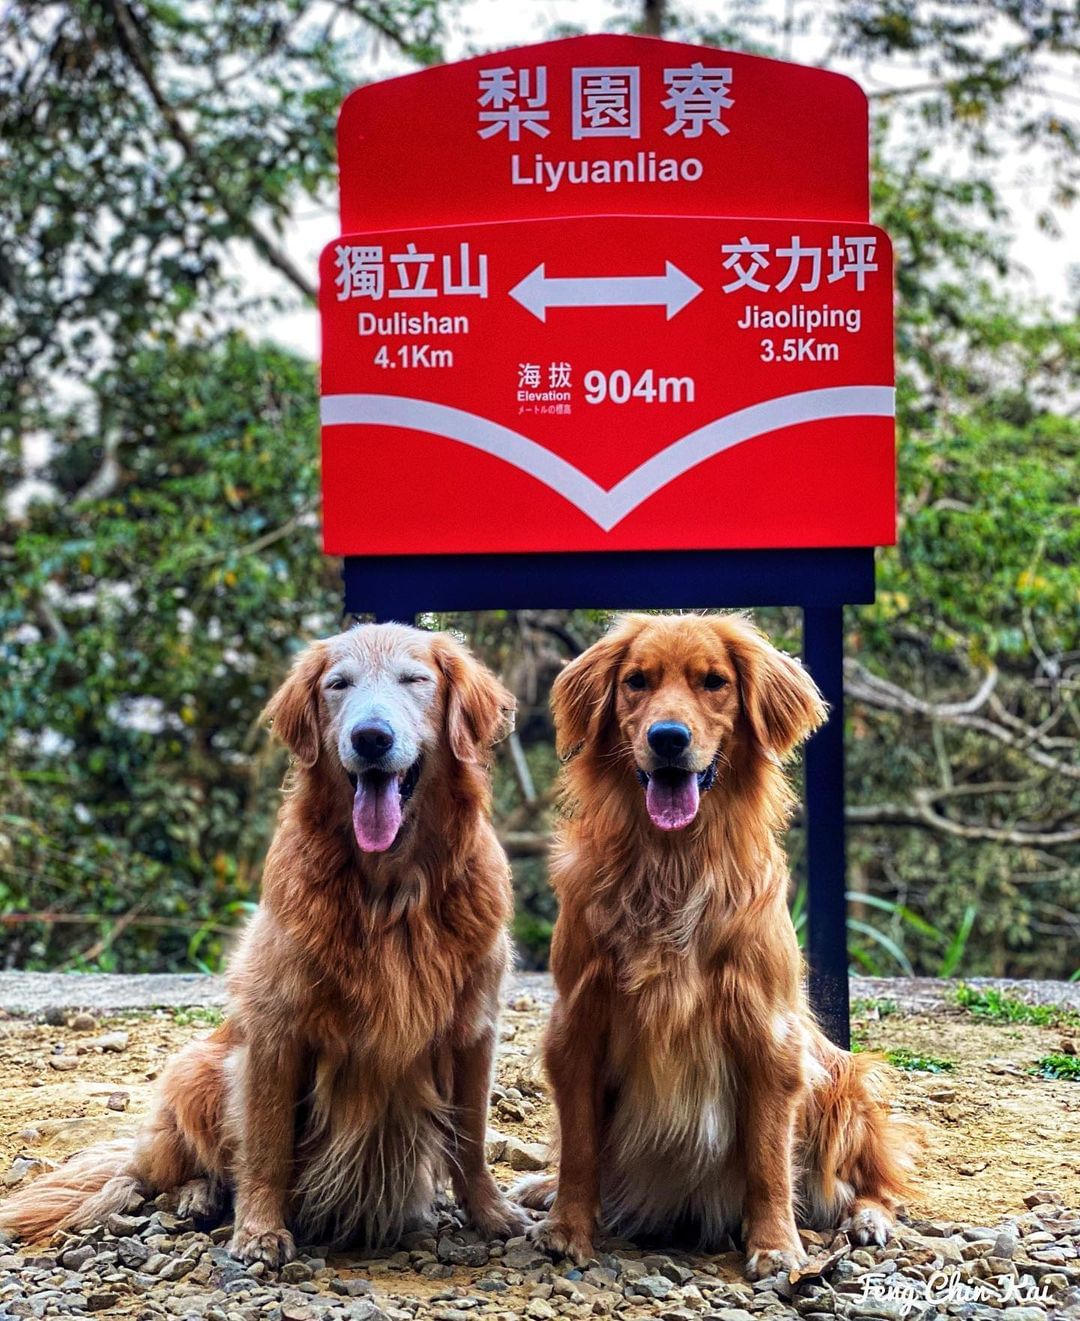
(152, 595)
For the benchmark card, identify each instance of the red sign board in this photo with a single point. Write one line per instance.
(606, 293)
(604, 126)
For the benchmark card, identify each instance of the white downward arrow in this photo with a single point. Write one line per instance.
(672, 290)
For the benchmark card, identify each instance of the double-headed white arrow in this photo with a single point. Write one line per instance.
(673, 290)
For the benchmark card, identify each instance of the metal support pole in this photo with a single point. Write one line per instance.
(823, 652)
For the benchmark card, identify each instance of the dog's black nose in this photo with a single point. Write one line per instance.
(668, 739)
(372, 740)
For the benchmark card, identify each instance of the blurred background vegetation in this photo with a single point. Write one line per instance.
(160, 562)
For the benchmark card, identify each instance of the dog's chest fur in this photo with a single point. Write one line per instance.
(671, 1128)
(672, 1125)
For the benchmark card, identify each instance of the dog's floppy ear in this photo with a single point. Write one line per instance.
(479, 709)
(583, 694)
(781, 702)
(293, 711)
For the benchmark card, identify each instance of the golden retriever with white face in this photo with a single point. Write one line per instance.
(352, 1075)
(696, 1096)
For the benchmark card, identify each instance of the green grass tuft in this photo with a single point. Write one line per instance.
(1063, 1068)
(904, 1059)
(992, 1005)
(883, 1008)
(198, 1016)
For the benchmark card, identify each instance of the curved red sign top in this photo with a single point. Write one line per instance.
(603, 125)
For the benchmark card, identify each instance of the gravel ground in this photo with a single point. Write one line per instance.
(991, 1233)
(147, 1263)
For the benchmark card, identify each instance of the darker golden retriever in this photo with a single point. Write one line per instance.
(696, 1096)
(354, 1068)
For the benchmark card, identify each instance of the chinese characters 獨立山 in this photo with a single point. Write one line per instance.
(361, 272)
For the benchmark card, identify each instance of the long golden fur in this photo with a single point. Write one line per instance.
(353, 1071)
(696, 1096)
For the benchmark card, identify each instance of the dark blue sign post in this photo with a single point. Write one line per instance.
(821, 582)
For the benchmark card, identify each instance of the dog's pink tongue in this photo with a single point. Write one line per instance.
(672, 801)
(376, 812)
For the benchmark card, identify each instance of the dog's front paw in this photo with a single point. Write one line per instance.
(199, 1198)
(563, 1238)
(499, 1219)
(869, 1222)
(763, 1262)
(273, 1247)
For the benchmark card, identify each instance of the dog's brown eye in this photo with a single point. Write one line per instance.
(714, 680)
(635, 680)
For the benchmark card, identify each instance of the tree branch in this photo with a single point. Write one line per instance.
(260, 543)
(880, 693)
(522, 773)
(107, 477)
(131, 44)
(921, 813)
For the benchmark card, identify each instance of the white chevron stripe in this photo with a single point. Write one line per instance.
(608, 507)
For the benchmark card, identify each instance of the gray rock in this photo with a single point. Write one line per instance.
(294, 1272)
(75, 1258)
(123, 1225)
(363, 1310)
(525, 1155)
(357, 1288)
(99, 1301)
(652, 1286)
(494, 1146)
(133, 1253)
(454, 1253)
(521, 1255)
(175, 1268)
(1005, 1243)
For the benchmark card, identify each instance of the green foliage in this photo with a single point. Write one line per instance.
(141, 141)
(994, 1005)
(904, 1059)
(150, 602)
(861, 1008)
(142, 634)
(1063, 1068)
(198, 1016)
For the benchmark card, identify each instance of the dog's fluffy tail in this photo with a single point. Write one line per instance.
(853, 1144)
(81, 1192)
(537, 1192)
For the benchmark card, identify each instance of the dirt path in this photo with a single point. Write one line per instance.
(994, 1131)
